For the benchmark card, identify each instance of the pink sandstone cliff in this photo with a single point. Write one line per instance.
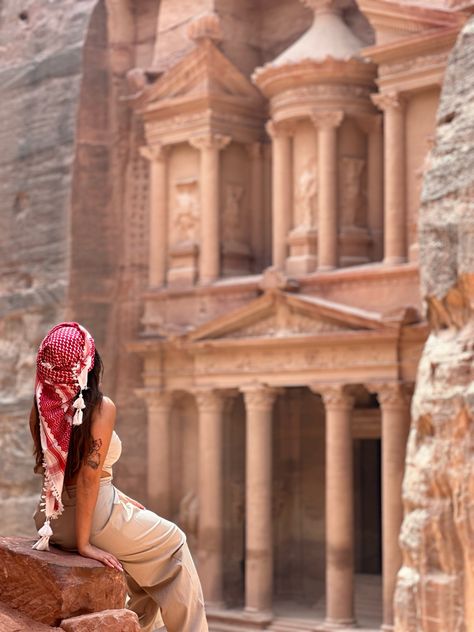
(435, 589)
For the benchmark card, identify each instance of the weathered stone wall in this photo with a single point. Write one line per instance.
(435, 589)
(40, 79)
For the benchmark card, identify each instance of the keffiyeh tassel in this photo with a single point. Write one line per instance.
(45, 533)
(79, 405)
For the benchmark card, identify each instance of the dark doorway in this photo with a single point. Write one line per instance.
(368, 506)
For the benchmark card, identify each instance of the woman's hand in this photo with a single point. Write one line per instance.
(127, 499)
(94, 553)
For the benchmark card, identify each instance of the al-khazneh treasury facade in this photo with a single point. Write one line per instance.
(282, 324)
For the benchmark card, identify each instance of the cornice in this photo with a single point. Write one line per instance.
(406, 20)
(273, 80)
(411, 47)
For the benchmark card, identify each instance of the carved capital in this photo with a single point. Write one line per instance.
(215, 142)
(259, 397)
(391, 395)
(154, 153)
(158, 401)
(209, 400)
(279, 130)
(388, 101)
(327, 120)
(334, 396)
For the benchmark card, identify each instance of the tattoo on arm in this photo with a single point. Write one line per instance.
(93, 458)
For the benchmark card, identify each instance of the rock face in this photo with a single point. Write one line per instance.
(41, 48)
(435, 589)
(52, 586)
(14, 621)
(105, 621)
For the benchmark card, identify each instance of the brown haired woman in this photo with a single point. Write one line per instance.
(72, 424)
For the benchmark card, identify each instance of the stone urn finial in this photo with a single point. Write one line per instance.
(332, 6)
(207, 26)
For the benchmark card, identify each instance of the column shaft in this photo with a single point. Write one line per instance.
(327, 124)
(158, 445)
(281, 192)
(375, 187)
(158, 227)
(210, 481)
(258, 486)
(395, 427)
(394, 177)
(339, 508)
(256, 203)
(209, 182)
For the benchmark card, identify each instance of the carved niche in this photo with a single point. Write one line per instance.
(233, 216)
(185, 213)
(353, 195)
(306, 197)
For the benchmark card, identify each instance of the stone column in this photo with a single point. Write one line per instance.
(282, 168)
(327, 124)
(256, 202)
(209, 181)
(158, 227)
(158, 448)
(394, 177)
(339, 506)
(258, 485)
(395, 426)
(210, 491)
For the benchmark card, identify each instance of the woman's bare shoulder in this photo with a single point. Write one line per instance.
(105, 413)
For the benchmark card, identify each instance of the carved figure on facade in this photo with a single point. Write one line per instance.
(185, 218)
(233, 229)
(352, 208)
(306, 197)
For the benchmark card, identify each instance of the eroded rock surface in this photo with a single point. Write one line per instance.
(14, 621)
(105, 621)
(56, 585)
(435, 590)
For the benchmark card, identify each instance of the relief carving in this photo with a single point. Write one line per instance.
(352, 209)
(185, 215)
(306, 197)
(232, 219)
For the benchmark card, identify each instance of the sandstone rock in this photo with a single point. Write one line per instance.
(13, 621)
(51, 586)
(105, 621)
(435, 589)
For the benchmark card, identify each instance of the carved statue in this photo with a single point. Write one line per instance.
(352, 207)
(233, 225)
(306, 194)
(185, 221)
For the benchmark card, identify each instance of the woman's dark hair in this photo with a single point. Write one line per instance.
(81, 438)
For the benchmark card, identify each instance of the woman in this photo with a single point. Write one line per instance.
(72, 424)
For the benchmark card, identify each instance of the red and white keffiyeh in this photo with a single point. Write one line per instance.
(64, 360)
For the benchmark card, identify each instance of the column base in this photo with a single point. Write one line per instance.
(326, 268)
(387, 627)
(339, 624)
(394, 261)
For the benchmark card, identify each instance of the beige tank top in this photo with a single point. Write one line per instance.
(113, 454)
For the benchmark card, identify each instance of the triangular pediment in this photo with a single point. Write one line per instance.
(204, 72)
(279, 314)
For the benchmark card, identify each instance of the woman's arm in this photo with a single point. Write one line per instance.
(87, 485)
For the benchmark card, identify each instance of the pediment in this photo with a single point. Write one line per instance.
(279, 314)
(204, 72)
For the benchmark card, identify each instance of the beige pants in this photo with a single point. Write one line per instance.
(158, 566)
